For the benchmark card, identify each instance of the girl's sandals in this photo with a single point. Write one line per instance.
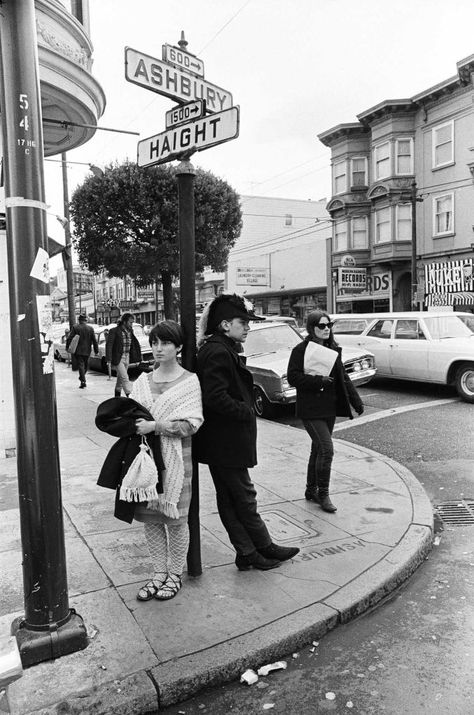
(150, 589)
(170, 588)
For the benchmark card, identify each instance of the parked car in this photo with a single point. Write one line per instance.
(99, 362)
(267, 349)
(435, 347)
(289, 320)
(59, 345)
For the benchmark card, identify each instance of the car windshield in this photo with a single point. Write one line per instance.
(467, 320)
(271, 339)
(449, 326)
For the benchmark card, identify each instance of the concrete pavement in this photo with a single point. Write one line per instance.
(142, 656)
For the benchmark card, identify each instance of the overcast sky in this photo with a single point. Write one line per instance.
(295, 67)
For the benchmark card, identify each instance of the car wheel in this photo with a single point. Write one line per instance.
(262, 406)
(465, 382)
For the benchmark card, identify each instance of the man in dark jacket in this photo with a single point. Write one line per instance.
(121, 349)
(87, 339)
(227, 439)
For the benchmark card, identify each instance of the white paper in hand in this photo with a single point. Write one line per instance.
(318, 360)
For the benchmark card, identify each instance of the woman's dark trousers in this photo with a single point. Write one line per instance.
(321, 456)
(237, 506)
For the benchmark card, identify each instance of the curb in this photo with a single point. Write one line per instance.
(150, 690)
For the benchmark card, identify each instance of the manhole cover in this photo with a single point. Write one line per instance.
(456, 513)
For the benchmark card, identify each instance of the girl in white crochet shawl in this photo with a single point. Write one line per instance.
(173, 396)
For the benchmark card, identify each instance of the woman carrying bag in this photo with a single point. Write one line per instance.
(173, 397)
(324, 391)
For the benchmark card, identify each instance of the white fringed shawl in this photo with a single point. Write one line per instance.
(180, 402)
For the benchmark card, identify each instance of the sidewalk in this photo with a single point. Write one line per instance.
(145, 655)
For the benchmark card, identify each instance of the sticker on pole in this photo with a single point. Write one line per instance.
(189, 137)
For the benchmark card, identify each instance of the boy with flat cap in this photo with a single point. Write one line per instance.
(227, 440)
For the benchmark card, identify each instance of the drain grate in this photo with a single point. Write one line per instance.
(456, 513)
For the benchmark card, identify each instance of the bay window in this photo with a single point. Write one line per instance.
(340, 236)
(404, 219)
(359, 232)
(383, 225)
(340, 177)
(404, 156)
(382, 161)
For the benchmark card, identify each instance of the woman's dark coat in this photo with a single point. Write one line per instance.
(117, 417)
(228, 436)
(312, 399)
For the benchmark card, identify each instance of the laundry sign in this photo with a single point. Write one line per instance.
(251, 276)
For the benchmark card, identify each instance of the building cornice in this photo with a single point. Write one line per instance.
(342, 131)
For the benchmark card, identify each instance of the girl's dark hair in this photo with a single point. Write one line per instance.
(312, 319)
(167, 330)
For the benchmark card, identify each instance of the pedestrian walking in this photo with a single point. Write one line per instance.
(324, 391)
(86, 342)
(227, 441)
(121, 349)
(173, 397)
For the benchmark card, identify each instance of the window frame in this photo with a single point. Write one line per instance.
(434, 146)
(365, 182)
(376, 213)
(389, 158)
(366, 224)
(397, 221)
(451, 231)
(345, 223)
(336, 176)
(397, 155)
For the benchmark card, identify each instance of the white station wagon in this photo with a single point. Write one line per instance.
(435, 347)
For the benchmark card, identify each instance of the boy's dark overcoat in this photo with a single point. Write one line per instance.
(228, 436)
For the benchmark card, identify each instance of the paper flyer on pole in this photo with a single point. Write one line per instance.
(318, 360)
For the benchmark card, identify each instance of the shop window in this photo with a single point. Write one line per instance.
(359, 171)
(340, 236)
(382, 161)
(340, 177)
(443, 214)
(383, 225)
(404, 156)
(359, 232)
(403, 222)
(443, 145)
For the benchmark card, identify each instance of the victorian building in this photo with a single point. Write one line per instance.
(402, 204)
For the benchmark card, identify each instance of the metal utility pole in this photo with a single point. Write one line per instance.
(187, 282)
(49, 628)
(71, 306)
(414, 275)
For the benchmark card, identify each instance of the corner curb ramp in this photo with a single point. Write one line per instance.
(149, 690)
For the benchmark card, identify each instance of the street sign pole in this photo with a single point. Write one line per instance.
(49, 628)
(187, 271)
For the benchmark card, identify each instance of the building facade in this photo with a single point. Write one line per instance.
(279, 261)
(402, 202)
(70, 98)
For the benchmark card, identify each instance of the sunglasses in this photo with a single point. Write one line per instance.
(322, 326)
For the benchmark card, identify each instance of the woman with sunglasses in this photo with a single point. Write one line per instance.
(324, 391)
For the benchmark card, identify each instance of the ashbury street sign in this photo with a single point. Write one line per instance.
(201, 134)
(174, 82)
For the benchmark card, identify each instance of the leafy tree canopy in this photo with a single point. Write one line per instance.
(126, 221)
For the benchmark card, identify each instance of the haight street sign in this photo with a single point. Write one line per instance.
(198, 135)
(173, 82)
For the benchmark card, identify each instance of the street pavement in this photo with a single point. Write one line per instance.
(143, 656)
